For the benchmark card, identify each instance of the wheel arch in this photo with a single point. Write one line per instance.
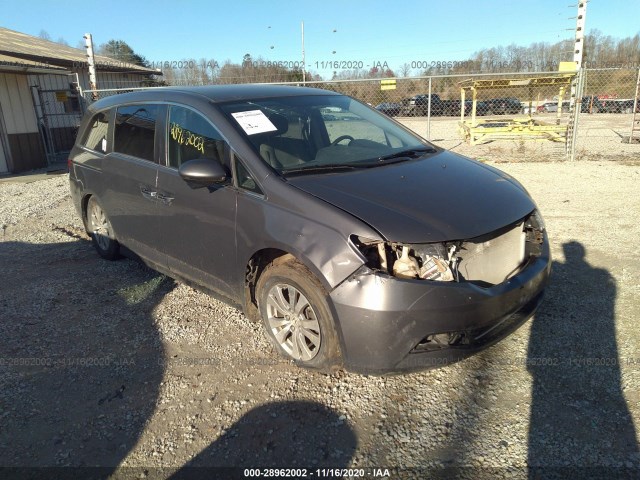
(262, 262)
(83, 206)
(111, 250)
(84, 202)
(255, 267)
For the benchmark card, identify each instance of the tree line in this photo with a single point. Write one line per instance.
(601, 51)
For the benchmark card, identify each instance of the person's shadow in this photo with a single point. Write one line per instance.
(579, 416)
(290, 435)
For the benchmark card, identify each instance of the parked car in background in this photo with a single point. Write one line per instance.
(452, 107)
(627, 106)
(389, 108)
(418, 106)
(354, 243)
(549, 107)
(502, 106)
(620, 106)
(482, 108)
(591, 104)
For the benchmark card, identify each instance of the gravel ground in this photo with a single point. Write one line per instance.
(111, 364)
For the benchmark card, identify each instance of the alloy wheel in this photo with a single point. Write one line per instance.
(293, 322)
(100, 226)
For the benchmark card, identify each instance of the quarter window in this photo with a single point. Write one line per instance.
(135, 129)
(245, 180)
(191, 136)
(95, 137)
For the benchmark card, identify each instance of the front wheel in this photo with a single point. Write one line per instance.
(296, 315)
(101, 231)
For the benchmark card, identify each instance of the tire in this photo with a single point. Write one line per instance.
(99, 227)
(305, 334)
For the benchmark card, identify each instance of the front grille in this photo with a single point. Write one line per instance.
(493, 258)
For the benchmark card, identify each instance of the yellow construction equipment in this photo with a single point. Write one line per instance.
(523, 127)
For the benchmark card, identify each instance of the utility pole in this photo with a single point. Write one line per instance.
(578, 51)
(578, 81)
(635, 124)
(304, 74)
(91, 62)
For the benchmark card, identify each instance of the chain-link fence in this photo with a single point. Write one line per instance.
(58, 110)
(609, 110)
(483, 116)
(504, 117)
(112, 83)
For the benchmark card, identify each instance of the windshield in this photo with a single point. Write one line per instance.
(322, 133)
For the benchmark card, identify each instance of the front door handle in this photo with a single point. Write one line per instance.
(147, 192)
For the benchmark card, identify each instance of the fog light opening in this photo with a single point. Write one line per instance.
(437, 341)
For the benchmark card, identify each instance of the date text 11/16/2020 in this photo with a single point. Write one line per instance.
(318, 472)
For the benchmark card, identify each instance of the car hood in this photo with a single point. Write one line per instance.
(438, 198)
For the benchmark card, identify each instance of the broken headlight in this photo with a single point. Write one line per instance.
(486, 260)
(433, 261)
(536, 221)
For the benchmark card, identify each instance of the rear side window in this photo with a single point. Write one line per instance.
(135, 129)
(191, 136)
(95, 136)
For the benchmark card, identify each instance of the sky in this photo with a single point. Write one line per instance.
(365, 33)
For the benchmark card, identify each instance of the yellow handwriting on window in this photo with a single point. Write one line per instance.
(185, 137)
(176, 133)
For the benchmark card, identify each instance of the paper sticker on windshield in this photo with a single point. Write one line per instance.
(254, 121)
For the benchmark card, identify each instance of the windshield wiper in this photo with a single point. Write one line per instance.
(338, 167)
(341, 167)
(410, 153)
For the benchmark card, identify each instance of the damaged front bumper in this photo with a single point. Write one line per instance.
(392, 324)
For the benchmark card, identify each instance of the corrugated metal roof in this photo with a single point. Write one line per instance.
(21, 65)
(21, 45)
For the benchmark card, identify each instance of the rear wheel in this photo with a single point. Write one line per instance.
(296, 315)
(101, 231)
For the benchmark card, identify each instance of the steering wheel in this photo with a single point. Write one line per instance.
(341, 138)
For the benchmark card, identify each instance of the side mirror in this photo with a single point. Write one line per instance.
(202, 172)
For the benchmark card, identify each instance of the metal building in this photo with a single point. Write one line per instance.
(40, 105)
